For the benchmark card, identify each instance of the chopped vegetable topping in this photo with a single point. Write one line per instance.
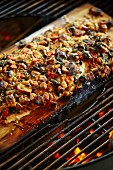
(55, 64)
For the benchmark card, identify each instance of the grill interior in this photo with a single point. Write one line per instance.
(88, 131)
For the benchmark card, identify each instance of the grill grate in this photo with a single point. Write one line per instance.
(35, 154)
(51, 7)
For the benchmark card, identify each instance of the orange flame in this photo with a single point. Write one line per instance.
(78, 150)
(79, 158)
(61, 135)
(99, 154)
(91, 130)
(57, 155)
(110, 134)
(101, 113)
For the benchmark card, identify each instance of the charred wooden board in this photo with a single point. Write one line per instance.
(11, 133)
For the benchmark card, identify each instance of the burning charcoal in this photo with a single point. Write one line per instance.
(99, 154)
(57, 155)
(111, 142)
(111, 139)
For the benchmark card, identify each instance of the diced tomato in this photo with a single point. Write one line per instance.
(70, 78)
(93, 54)
(48, 103)
(54, 36)
(26, 50)
(79, 53)
(10, 57)
(5, 113)
(51, 75)
(111, 40)
(20, 75)
(81, 57)
(95, 60)
(24, 108)
(89, 62)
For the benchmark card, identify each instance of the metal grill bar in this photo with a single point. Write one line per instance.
(53, 6)
(8, 4)
(2, 2)
(60, 12)
(42, 6)
(10, 10)
(46, 7)
(34, 6)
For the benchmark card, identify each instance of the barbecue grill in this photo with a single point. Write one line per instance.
(64, 141)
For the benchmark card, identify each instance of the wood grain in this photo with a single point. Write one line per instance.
(11, 133)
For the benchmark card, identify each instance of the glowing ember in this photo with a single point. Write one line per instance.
(110, 109)
(61, 135)
(77, 140)
(57, 155)
(78, 129)
(101, 113)
(76, 151)
(99, 154)
(7, 37)
(91, 130)
(50, 143)
(79, 158)
(110, 134)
